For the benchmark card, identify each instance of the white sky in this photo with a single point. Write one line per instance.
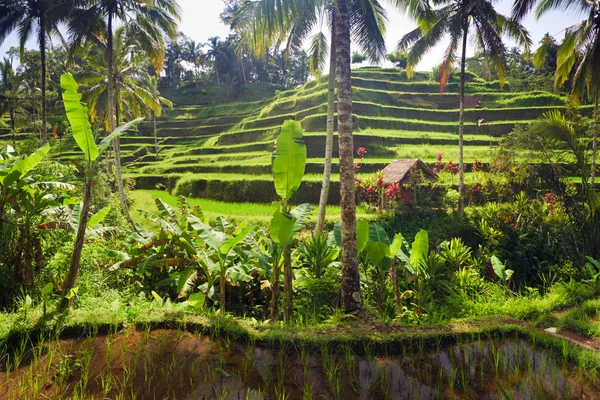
(200, 20)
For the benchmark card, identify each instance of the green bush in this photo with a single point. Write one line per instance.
(316, 298)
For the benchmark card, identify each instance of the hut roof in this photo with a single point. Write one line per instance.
(398, 170)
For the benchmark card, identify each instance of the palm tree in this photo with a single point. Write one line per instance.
(578, 57)
(217, 53)
(149, 21)
(133, 96)
(151, 85)
(9, 97)
(194, 54)
(368, 21)
(27, 16)
(364, 20)
(458, 19)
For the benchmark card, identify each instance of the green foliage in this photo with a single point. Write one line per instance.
(77, 114)
(317, 253)
(289, 159)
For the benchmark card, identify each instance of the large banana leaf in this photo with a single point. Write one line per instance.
(22, 167)
(238, 237)
(289, 159)
(300, 213)
(120, 131)
(77, 114)
(282, 227)
(377, 234)
(420, 249)
(362, 234)
(98, 217)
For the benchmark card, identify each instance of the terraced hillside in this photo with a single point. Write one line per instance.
(223, 151)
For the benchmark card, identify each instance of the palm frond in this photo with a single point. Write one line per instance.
(318, 53)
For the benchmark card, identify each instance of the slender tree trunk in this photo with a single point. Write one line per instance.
(594, 142)
(329, 138)
(275, 291)
(217, 71)
(14, 128)
(288, 310)
(222, 291)
(461, 126)
(243, 69)
(111, 124)
(44, 131)
(155, 135)
(351, 296)
(79, 241)
(397, 293)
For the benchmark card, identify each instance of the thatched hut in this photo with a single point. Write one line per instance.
(407, 173)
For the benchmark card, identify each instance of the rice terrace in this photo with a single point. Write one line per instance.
(299, 199)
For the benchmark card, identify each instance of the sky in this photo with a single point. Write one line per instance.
(200, 20)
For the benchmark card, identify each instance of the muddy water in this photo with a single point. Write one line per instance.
(180, 365)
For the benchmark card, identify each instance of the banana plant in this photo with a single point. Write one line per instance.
(288, 164)
(23, 197)
(77, 114)
(375, 247)
(220, 261)
(500, 270)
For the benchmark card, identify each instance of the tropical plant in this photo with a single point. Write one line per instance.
(217, 53)
(577, 56)
(9, 95)
(458, 19)
(501, 270)
(148, 21)
(221, 258)
(289, 161)
(21, 202)
(77, 114)
(295, 20)
(193, 53)
(25, 16)
(317, 253)
(133, 97)
(136, 90)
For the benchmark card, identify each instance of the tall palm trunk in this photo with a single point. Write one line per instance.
(111, 122)
(594, 142)
(155, 135)
(461, 125)
(44, 131)
(351, 295)
(329, 138)
(79, 242)
(217, 71)
(13, 127)
(243, 69)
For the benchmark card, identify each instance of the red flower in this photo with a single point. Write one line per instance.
(393, 190)
(361, 152)
(451, 167)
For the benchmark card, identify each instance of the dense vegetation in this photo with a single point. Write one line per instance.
(252, 207)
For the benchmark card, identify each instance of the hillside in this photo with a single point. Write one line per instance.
(223, 151)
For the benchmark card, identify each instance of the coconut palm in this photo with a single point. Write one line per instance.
(193, 53)
(150, 21)
(9, 97)
(295, 20)
(133, 96)
(217, 53)
(578, 57)
(459, 19)
(27, 17)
